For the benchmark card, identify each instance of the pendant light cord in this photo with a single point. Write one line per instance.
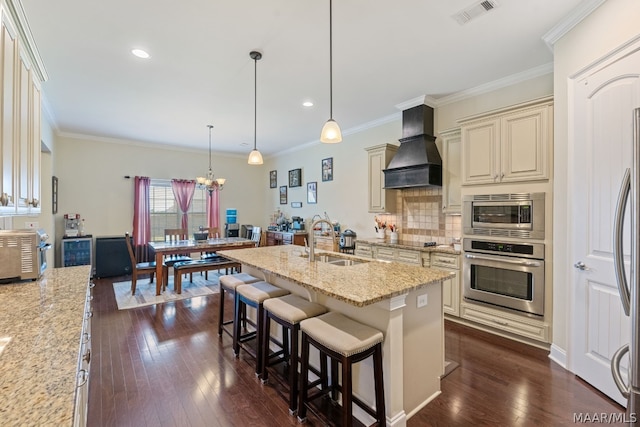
(255, 101)
(330, 60)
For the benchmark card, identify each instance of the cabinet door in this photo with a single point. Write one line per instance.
(480, 145)
(9, 47)
(525, 144)
(34, 145)
(23, 150)
(452, 172)
(380, 200)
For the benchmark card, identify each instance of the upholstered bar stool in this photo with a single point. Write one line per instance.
(253, 295)
(228, 285)
(288, 311)
(345, 341)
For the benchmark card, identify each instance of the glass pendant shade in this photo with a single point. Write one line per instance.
(331, 133)
(255, 158)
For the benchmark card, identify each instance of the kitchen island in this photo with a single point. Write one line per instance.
(41, 326)
(403, 301)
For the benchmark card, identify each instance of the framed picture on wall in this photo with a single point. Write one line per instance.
(312, 195)
(273, 179)
(283, 195)
(327, 169)
(54, 195)
(295, 178)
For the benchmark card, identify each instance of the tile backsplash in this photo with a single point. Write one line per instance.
(421, 219)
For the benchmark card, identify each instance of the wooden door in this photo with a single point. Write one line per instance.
(602, 145)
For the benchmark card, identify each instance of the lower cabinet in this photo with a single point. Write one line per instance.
(506, 321)
(363, 250)
(450, 287)
(275, 238)
(84, 363)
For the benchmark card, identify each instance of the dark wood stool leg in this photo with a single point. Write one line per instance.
(266, 326)
(379, 385)
(260, 337)
(304, 378)
(335, 384)
(293, 370)
(347, 390)
(236, 324)
(221, 311)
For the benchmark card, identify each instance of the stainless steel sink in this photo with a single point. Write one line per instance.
(337, 260)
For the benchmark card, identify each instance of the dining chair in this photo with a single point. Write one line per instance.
(139, 268)
(172, 235)
(256, 233)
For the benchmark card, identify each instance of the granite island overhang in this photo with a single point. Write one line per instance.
(403, 301)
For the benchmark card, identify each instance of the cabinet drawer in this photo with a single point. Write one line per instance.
(445, 260)
(363, 250)
(287, 238)
(411, 257)
(385, 253)
(503, 321)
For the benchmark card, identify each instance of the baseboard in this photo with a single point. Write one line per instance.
(558, 355)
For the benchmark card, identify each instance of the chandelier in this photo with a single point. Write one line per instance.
(208, 182)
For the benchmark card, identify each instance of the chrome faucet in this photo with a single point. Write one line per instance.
(312, 239)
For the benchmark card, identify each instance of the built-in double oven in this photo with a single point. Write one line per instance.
(503, 261)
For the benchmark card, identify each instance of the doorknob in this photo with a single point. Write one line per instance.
(580, 265)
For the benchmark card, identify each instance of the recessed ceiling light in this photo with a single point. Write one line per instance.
(140, 53)
(307, 104)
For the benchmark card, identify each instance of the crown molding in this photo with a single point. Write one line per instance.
(579, 13)
(15, 9)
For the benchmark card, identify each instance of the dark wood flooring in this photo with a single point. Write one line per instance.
(165, 365)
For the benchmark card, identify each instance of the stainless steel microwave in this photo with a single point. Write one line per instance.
(519, 215)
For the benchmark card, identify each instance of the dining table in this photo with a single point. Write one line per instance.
(163, 249)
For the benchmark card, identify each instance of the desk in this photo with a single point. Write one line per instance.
(190, 246)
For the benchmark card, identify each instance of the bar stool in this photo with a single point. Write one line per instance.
(228, 284)
(252, 295)
(288, 311)
(348, 342)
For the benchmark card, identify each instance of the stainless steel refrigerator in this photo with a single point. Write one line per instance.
(629, 289)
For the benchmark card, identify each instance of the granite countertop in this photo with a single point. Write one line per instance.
(358, 285)
(40, 328)
(447, 249)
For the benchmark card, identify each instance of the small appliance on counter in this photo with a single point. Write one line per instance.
(232, 230)
(23, 254)
(298, 223)
(246, 231)
(348, 239)
(72, 225)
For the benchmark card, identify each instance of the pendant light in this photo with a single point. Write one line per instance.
(208, 182)
(331, 131)
(255, 158)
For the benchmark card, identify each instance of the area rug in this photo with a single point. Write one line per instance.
(146, 292)
(449, 366)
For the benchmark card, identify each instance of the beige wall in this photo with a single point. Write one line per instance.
(608, 27)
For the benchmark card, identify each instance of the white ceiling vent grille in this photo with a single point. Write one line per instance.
(475, 10)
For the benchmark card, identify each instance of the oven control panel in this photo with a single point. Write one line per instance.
(526, 250)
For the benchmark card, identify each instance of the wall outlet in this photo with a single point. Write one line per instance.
(422, 300)
(30, 224)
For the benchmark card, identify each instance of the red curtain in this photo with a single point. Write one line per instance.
(213, 209)
(183, 190)
(141, 218)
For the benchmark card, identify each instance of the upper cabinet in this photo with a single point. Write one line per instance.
(452, 171)
(508, 145)
(22, 73)
(380, 200)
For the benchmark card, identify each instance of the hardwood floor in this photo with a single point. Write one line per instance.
(164, 365)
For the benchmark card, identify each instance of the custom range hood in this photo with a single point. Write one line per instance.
(417, 162)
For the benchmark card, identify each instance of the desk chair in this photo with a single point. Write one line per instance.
(139, 268)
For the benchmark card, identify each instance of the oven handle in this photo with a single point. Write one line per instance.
(504, 259)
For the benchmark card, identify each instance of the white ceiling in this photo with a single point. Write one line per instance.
(384, 54)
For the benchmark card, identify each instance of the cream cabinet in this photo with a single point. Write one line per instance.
(451, 172)
(508, 145)
(20, 160)
(363, 249)
(380, 200)
(451, 286)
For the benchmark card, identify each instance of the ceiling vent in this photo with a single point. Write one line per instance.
(475, 10)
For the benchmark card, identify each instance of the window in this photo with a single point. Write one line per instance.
(164, 209)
